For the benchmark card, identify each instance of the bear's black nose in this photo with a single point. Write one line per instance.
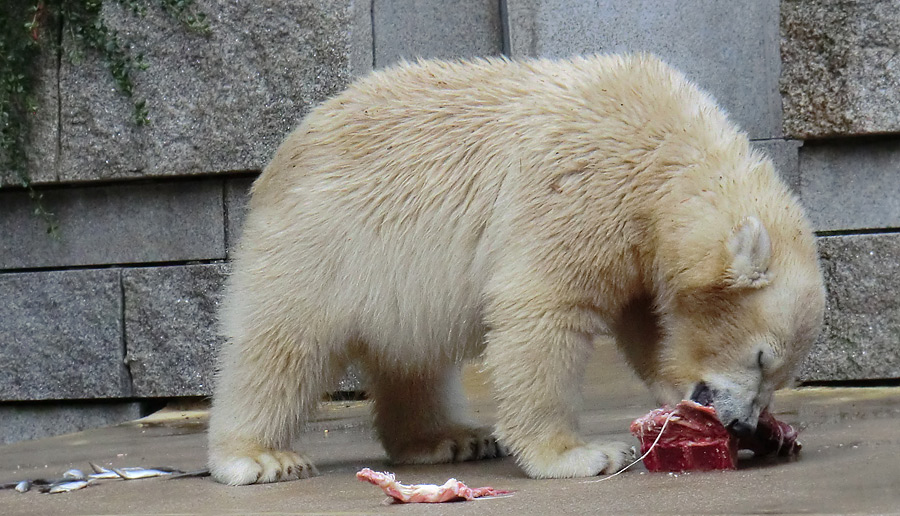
(740, 429)
(702, 394)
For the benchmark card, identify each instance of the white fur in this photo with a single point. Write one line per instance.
(751, 251)
(439, 211)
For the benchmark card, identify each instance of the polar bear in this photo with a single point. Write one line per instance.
(516, 211)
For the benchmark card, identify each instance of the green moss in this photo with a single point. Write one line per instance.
(30, 27)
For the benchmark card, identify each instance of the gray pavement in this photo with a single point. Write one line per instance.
(848, 465)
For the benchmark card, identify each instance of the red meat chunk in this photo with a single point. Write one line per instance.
(695, 439)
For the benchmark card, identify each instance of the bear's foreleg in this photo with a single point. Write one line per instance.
(537, 361)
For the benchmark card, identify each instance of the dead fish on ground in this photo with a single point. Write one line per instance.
(45, 486)
(23, 486)
(138, 473)
(101, 473)
(74, 474)
(65, 486)
(189, 474)
(75, 479)
(131, 473)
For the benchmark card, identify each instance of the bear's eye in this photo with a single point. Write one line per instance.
(759, 359)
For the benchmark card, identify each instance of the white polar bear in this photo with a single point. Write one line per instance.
(517, 211)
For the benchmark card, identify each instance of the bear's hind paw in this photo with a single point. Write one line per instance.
(262, 467)
(459, 445)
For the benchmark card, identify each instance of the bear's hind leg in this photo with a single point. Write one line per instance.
(421, 418)
(263, 395)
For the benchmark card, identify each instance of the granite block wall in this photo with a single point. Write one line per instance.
(118, 307)
(447, 30)
(729, 48)
(861, 340)
(839, 86)
(61, 335)
(26, 421)
(841, 76)
(117, 310)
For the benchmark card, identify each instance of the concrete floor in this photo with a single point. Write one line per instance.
(849, 464)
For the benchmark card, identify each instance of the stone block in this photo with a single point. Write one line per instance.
(171, 335)
(861, 339)
(362, 42)
(171, 330)
(217, 102)
(840, 75)
(41, 149)
(852, 184)
(409, 29)
(24, 422)
(785, 154)
(237, 195)
(123, 223)
(61, 336)
(730, 49)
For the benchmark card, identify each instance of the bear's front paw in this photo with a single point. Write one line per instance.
(587, 460)
(455, 445)
(260, 467)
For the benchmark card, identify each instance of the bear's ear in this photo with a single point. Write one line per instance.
(749, 251)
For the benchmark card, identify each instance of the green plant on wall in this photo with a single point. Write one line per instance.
(29, 28)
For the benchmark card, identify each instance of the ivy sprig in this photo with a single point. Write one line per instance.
(29, 27)
(187, 13)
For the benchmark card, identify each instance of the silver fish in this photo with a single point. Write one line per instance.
(138, 473)
(191, 474)
(23, 486)
(65, 487)
(74, 474)
(101, 473)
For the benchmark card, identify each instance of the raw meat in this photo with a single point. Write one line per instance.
(695, 439)
(772, 437)
(452, 490)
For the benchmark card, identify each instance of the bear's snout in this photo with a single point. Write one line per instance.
(741, 429)
(702, 394)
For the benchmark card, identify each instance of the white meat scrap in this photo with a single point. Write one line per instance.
(451, 491)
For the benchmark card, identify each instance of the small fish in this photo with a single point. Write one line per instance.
(65, 487)
(31, 483)
(23, 486)
(138, 473)
(74, 474)
(188, 474)
(101, 473)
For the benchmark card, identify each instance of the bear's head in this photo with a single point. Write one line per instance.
(736, 326)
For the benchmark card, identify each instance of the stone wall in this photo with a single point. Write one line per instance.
(840, 86)
(118, 310)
